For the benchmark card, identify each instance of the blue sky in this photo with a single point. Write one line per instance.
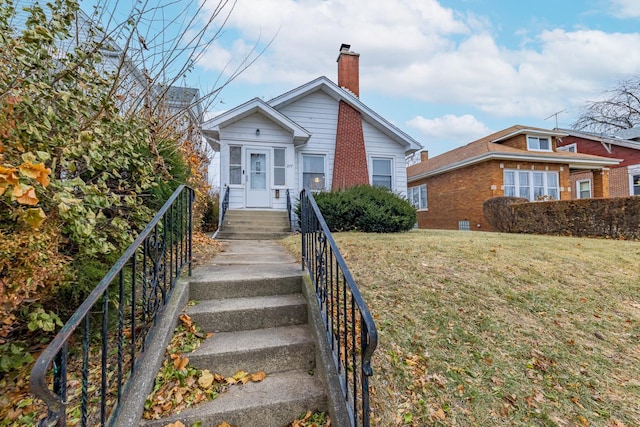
(445, 71)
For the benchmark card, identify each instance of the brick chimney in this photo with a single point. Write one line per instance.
(349, 70)
(350, 162)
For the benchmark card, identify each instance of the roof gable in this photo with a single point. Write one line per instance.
(211, 128)
(339, 94)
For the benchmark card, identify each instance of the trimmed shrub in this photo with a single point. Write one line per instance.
(499, 214)
(371, 209)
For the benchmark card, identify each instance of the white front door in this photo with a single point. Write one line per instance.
(258, 187)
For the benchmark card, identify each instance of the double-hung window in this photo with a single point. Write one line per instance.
(235, 165)
(279, 166)
(583, 189)
(381, 172)
(418, 196)
(532, 185)
(313, 172)
(537, 143)
(636, 185)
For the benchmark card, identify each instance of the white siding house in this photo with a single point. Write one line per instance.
(289, 143)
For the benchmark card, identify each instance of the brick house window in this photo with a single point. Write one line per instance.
(418, 196)
(531, 185)
(235, 165)
(537, 143)
(313, 172)
(636, 185)
(583, 189)
(381, 172)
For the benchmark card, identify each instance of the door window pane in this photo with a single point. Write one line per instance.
(258, 172)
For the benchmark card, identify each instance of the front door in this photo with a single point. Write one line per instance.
(258, 194)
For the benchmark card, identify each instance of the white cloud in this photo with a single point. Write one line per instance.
(442, 133)
(626, 8)
(423, 51)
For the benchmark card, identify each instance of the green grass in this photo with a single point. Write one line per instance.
(493, 329)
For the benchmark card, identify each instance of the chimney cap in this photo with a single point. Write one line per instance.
(345, 46)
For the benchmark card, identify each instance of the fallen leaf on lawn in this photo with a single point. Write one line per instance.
(583, 421)
(258, 376)
(439, 414)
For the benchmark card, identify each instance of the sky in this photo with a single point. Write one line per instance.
(446, 72)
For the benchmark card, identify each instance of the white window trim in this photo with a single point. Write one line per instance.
(325, 156)
(548, 138)
(531, 182)
(410, 197)
(578, 188)
(632, 170)
(393, 168)
(568, 148)
(273, 168)
(243, 156)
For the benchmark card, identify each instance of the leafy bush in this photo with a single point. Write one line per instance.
(371, 209)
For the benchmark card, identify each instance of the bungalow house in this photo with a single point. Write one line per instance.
(318, 136)
(624, 178)
(449, 189)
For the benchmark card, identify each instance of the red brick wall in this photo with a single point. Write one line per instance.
(350, 162)
(587, 146)
(619, 182)
(458, 195)
(348, 72)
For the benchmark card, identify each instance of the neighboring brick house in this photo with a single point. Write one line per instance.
(624, 178)
(318, 136)
(449, 189)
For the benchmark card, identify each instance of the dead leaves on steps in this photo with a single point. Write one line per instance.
(178, 385)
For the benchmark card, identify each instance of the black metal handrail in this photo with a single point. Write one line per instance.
(224, 206)
(289, 209)
(84, 372)
(349, 326)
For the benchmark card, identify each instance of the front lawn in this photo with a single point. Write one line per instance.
(493, 329)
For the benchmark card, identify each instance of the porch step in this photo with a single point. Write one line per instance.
(254, 225)
(274, 402)
(270, 350)
(239, 314)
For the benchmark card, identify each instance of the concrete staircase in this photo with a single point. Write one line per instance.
(252, 300)
(249, 224)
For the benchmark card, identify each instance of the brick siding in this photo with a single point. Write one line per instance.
(350, 162)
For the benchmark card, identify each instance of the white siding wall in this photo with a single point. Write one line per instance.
(317, 113)
(243, 133)
(379, 145)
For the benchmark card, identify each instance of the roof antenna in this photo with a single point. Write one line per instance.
(556, 115)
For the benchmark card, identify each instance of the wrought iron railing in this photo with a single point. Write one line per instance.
(350, 329)
(83, 374)
(224, 206)
(289, 209)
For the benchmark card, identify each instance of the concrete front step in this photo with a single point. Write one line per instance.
(237, 314)
(274, 402)
(270, 350)
(240, 288)
(257, 228)
(223, 235)
(249, 224)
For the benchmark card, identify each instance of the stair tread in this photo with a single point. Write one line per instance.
(247, 303)
(284, 389)
(239, 341)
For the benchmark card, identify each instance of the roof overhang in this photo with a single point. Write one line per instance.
(339, 94)
(211, 128)
(573, 163)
